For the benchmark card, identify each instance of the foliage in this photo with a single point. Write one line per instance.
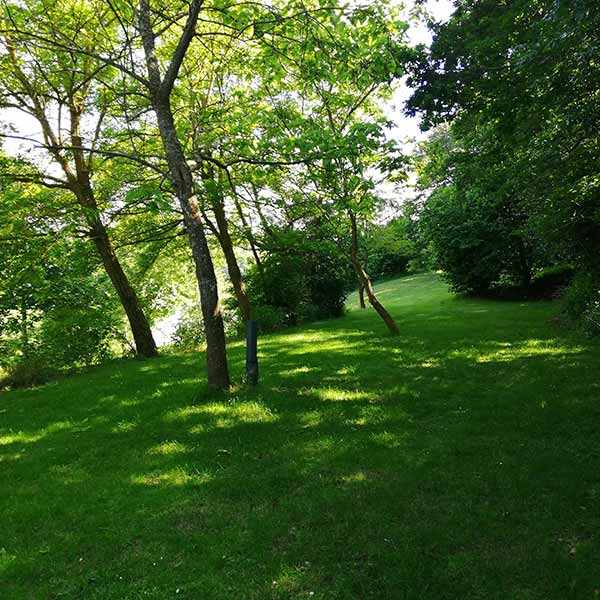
(27, 372)
(388, 249)
(57, 310)
(477, 243)
(581, 304)
(189, 331)
(551, 282)
(304, 276)
(519, 82)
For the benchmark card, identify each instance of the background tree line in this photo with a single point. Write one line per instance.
(187, 152)
(509, 181)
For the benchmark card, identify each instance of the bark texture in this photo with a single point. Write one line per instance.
(221, 231)
(361, 295)
(82, 187)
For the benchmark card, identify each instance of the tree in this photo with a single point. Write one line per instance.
(57, 306)
(160, 87)
(526, 73)
(473, 215)
(324, 81)
(62, 92)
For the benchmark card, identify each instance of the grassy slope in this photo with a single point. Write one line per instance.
(461, 460)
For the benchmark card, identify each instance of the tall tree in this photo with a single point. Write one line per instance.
(527, 73)
(326, 77)
(160, 86)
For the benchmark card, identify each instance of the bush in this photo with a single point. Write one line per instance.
(76, 337)
(270, 318)
(303, 277)
(581, 304)
(28, 372)
(481, 245)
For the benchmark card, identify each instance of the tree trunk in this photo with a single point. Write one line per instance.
(82, 187)
(248, 232)
(361, 295)
(24, 330)
(216, 356)
(142, 334)
(78, 181)
(365, 281)
(181, 176)
(235, 275)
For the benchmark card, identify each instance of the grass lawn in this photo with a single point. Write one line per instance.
(460, 460)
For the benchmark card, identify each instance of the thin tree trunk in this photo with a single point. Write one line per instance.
(365, 280)
(181, 177)
(235, 275)
(24, 330)
(361, 295)
(247, 231)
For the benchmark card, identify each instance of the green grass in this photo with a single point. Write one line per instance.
(460, 460)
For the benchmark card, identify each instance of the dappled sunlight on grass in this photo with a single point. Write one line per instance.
(337, 395)
(167, 448)
(21, 438)
(170, 478)
(362, 466)
(224, 415)
(529, 348)
(296, 371)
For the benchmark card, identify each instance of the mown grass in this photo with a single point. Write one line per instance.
(460, 460)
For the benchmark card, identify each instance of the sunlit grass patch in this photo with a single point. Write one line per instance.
(340, 395)
(178, 476)
(168, 448)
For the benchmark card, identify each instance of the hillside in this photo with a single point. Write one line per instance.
(460, 460)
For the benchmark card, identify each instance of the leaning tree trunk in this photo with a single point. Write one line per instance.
(79, 182)
(82, 187)
(216, 356)
(160, 93)
(142, 334)
(365, 281)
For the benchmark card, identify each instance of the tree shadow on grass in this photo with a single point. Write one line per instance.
(455, 464)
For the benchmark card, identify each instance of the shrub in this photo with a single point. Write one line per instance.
(481, 244)
(75, 337)
(581, 304)
(29, 371)
(303, 277)
(270, 318)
